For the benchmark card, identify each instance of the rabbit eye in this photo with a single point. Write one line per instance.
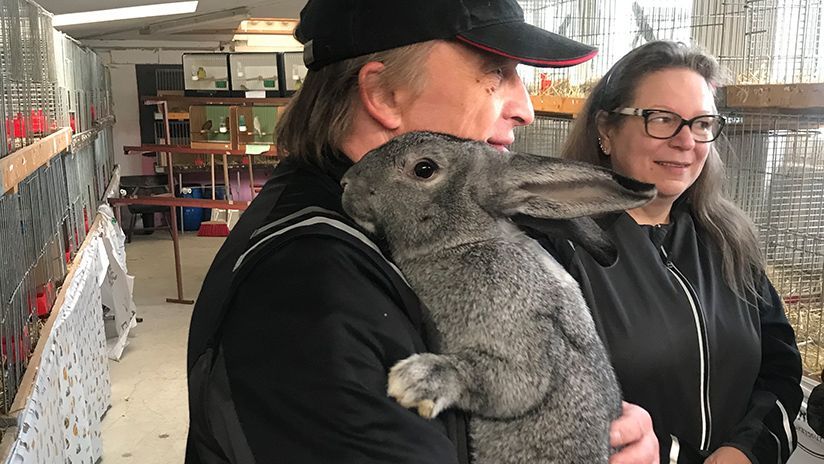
(424, 169)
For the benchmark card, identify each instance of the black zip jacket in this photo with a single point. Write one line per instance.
(292, 338)
(709, 367)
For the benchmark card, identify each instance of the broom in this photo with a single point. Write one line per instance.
(217, 227)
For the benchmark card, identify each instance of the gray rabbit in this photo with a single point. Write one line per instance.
(518, 346)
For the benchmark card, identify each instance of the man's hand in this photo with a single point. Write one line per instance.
(727, 455)
(633, 431)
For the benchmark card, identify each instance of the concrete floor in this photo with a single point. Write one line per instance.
(148, 420)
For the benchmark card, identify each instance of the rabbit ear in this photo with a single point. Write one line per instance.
(583, 231)
(551, 188)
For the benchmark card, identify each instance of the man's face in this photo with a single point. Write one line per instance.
(471, 94)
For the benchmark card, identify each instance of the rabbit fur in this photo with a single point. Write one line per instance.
(516, 344)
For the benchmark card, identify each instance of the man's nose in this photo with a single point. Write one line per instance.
(519, 106)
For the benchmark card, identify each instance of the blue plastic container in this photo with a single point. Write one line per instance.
(220, 194)
(192, 217)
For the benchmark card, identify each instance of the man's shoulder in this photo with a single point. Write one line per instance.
(324, 253)
(294, 186)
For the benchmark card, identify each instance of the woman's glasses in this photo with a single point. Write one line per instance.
(662, 124)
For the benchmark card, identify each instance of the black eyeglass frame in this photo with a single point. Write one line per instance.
(646, 112)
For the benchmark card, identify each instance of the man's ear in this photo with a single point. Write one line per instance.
(378, 101)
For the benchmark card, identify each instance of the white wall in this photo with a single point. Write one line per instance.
(127, 128)
(126, 101)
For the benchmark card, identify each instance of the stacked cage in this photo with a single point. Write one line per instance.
(775, 170)
(47, 82)
(28, 101)
(171, 81)
(758, 41)
(14, 296)
(774, 156)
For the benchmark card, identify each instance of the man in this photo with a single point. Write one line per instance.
(301, 317)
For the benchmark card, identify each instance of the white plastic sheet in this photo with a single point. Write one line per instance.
(72, 389)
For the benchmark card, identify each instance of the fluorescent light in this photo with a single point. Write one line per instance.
(131, 12)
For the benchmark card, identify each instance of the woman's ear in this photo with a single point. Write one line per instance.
(604, 133)
(378, 101)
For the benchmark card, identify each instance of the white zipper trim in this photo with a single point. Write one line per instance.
(778, 445)
(704, 353)
(786, 422)
(675, 450)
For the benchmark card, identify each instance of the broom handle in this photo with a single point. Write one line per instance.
(251, 177)
(212, 160)
(226, 178)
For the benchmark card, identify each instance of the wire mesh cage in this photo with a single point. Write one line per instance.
(170, 79)
(758, 41)
(15, 88)
(775, 170)
(782, 42)
(29, 98)
(11, 290)
(47, 81)
(545, 136)
(5, 93)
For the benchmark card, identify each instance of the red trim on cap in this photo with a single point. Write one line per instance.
(558, 63)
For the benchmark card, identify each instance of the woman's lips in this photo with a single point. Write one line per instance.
(673, 164)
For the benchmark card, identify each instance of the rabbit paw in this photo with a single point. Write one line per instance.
(427, 382)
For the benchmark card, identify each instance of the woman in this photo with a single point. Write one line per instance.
(696, 332)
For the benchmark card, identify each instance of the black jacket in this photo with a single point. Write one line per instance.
(293, 335)
(711, 368)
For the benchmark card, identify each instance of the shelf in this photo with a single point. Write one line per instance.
(182, 149)
(17, 166)
(176, 116)
(210, 79)
(258, 78)
(777, 96)
(85, 138)
(189, 169)
(555, 105)
(235, 101)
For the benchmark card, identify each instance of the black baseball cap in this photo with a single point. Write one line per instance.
(335, 30)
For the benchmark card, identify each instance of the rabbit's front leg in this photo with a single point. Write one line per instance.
(481, 381)
(428, 382)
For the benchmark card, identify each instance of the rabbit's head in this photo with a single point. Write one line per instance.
(424, 191)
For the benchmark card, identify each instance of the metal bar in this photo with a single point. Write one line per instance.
(178, 149)
(179, 202)
(164, 109)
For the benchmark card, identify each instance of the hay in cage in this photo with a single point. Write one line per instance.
(803, 296)
(756, 41)
(775, 173)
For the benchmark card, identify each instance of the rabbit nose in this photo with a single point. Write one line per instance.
(344, 183)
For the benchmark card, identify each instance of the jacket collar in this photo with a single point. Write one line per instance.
(682, 205)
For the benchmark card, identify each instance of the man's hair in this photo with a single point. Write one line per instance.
(319, 116)
(729, 227)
